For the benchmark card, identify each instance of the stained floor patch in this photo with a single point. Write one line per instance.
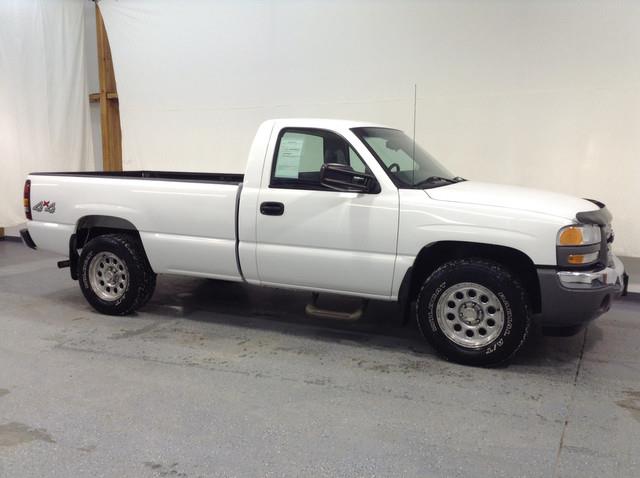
(3, 392)
(165, 470)
(125, 334)
(13, 434)
(631, 403)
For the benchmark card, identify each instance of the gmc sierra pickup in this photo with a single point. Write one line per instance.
(347, 208)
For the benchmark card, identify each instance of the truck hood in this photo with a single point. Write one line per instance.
(512, 197)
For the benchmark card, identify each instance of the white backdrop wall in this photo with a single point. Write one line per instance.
(44, 122)
(538, 93)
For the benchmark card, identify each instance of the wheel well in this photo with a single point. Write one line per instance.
(89, 227)
(434, 255)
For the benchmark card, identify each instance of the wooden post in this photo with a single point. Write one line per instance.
(108, 97)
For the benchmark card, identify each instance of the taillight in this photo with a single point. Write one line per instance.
(26, 200)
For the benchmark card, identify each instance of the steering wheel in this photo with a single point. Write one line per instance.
(394, 165)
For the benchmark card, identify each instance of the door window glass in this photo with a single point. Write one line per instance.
(300, 155)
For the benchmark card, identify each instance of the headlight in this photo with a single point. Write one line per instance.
(579, 235)
(578, 245)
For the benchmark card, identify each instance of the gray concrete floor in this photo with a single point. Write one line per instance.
(219, 379)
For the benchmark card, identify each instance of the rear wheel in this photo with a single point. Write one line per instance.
(115, 276)
(474, 312)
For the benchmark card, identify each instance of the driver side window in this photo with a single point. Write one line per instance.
(301, 153)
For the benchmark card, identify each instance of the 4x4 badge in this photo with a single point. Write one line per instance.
(46, 206)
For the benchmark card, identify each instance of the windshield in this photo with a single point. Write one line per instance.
(395, 152)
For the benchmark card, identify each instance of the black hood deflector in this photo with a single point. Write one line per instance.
(601, 216)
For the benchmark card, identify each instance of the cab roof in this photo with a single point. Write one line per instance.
(325, 123)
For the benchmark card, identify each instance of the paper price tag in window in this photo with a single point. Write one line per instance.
(289, 154)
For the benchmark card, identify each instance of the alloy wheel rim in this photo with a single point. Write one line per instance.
(470, 315)
(108, 276)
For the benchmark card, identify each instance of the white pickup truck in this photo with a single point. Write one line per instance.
(346, 208)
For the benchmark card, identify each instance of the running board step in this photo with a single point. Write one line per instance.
(313, 310)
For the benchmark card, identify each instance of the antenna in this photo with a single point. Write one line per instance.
(413, 154)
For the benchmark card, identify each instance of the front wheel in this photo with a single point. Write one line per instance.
(474, 312)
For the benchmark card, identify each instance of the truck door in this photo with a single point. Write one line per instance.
(312, 237)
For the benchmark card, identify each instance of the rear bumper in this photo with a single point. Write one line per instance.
(26, 238)
(574, 298)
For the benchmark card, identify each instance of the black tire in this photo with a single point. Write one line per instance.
(507, 291)
(149, 290)
(140, 281)
(150, 282)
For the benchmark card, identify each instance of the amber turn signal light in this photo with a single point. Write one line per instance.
(577, 259)
(570, 236)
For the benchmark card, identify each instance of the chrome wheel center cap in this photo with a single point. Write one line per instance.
(470, 313)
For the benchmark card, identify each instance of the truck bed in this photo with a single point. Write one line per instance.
(157, 175)
(186, 220)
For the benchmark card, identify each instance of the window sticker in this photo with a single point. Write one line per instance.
(289, 153)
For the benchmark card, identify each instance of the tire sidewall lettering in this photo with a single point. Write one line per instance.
(431, 316)
(508, 324)
(508, 314)
(85, 269)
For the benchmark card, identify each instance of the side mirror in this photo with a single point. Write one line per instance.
(344, 178)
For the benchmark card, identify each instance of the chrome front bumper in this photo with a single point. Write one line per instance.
(612, 275)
